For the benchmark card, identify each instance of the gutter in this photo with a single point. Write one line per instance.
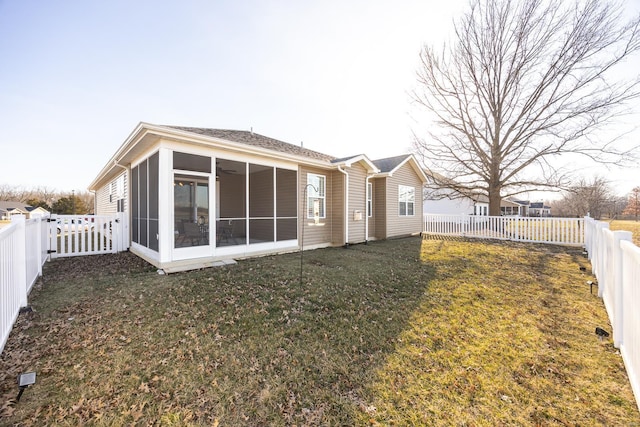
(346, 207)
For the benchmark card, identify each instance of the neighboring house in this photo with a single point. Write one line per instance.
(195, 196)
(509, 207)
(37, 212)
(539, 209)
(442, 200)
(8, 208)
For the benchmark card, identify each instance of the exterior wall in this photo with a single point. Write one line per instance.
(107, 196)
(440, 204)
(403, 225)
(316, 234)
(372, 219)
(337, 211)
(380, 208)
(357, 214)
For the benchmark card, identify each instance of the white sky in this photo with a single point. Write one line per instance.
(76, 77)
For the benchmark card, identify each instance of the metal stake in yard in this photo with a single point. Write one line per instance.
(303, 219)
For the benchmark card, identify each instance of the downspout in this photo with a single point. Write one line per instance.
(95, 201)
(346, 207)
(126, 172)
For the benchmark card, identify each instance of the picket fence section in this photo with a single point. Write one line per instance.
(25, 245)
(561, 231)
(77, 235)
(23, 251)
(615, 263)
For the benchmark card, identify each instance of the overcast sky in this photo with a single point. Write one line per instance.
(76, 77)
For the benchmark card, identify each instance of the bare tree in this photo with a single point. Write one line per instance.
(522, 83)
(592, 198)
(633, 204)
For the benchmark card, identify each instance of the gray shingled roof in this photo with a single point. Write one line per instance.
(390, 163)
(344, 159)
(256, 140)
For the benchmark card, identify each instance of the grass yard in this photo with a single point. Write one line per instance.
(402, 332)
(632, 226)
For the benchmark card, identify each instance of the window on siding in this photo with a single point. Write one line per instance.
(406, 200)
(316, 191)
(369, 199)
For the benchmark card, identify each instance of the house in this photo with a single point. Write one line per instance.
(438, 199)
(9, 208)
(195, 196)
(512, 207)
(539, 209)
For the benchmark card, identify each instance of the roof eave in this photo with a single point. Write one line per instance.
(143, 129)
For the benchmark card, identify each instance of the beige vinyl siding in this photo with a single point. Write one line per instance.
(106, 204)
(316, 234)
(357, 203)
(380, 208)
(403, 225)
(337, 211)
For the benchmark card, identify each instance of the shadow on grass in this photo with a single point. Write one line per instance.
(405, 332)
(114, 342)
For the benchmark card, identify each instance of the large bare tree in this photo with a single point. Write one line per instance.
(521, 84)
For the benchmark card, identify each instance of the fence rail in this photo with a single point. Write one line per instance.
(23, 251)
(562, 231)
(615, 263)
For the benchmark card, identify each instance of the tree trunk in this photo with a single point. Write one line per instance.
(494, 201)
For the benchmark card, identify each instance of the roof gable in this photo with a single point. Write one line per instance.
(389, 165)
(348, 161)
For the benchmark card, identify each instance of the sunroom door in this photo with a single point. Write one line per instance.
(191, 215)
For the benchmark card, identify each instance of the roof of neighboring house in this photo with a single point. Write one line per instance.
(9, 206)
(256, 140)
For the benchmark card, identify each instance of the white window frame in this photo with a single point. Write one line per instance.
(406, 198)
(369, 200)
(319, 183)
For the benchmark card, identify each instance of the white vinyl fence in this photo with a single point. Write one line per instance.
(23, 251)
(562, 231)
(77, 235)
(25, 245)
(615, 262)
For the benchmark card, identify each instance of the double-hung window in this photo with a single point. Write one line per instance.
(369, 200)
(406, 200)
(316, 195)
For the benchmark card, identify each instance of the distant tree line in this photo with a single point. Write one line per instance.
(596, 198)
(57, 202)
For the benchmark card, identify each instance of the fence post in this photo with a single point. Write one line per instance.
(21, 257)
(618, 323)
(600, 255)
(39, 244)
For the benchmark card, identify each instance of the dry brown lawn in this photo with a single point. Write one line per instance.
(402, 332)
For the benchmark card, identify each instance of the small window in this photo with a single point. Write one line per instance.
(406, 200)
(316, 195)
(369, 199)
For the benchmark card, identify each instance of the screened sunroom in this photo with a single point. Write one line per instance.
(211, 206)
